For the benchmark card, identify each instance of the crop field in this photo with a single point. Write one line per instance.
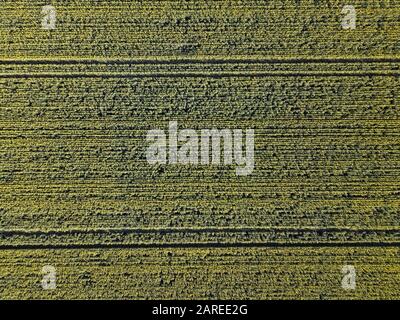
(78, 193)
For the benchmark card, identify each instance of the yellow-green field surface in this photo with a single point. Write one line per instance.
(76, 190)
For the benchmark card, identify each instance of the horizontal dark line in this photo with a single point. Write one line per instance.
(198, 75)
(161, 120)
(210, 61)
(202, 245)
(190, 230)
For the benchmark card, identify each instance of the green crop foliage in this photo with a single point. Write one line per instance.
(77, 193)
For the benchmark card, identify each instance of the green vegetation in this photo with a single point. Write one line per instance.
(77, 192)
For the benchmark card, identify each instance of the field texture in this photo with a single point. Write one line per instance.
(76, 190)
